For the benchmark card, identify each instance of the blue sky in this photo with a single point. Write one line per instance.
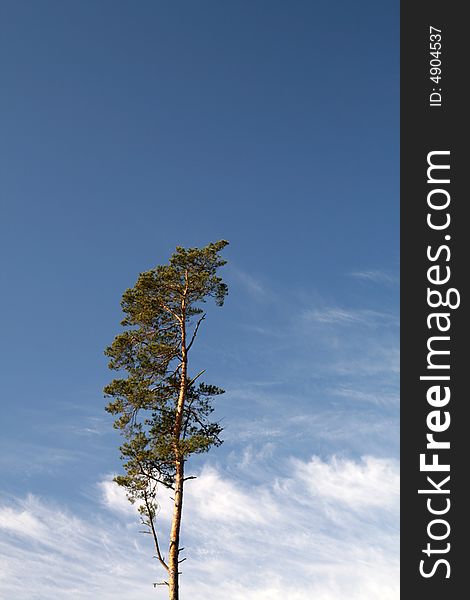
(130, 128)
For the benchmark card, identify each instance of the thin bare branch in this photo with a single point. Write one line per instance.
(195, 332)
(190, 383)
(176, 370)
(154, 532)
(151, 477)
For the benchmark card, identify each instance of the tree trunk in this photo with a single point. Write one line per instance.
(175, 533)
(173, 558)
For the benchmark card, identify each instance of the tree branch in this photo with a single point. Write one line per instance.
(185, 428)
(152, 477)
(198, 420)
(168, 309)
(154, 533)
(190, 383)
(195, 332)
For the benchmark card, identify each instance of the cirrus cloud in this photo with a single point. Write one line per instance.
(333, 522)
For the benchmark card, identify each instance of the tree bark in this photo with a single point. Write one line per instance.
(173, 559)
(175, 533)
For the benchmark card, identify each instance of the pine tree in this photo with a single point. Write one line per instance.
(162, 410)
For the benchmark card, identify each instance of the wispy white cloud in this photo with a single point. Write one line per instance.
(52, 553)
(34, 458)
(21, 522)
(359, 486)
(251, 284)
(91, 426)
(375, 275)
(332, 522)
(354, 428)
(343, 316)
(378, 397)
(114, 497)
(374, 358)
